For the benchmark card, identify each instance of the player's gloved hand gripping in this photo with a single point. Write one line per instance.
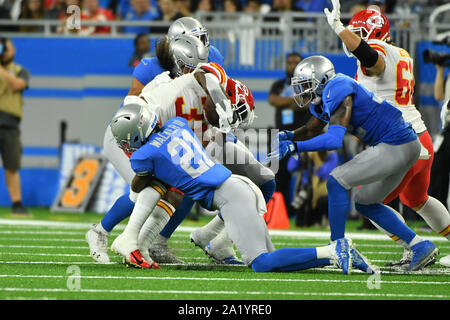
(282, 145)
(334, 17)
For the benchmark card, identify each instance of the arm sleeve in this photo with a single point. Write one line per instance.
(147, 70)
(215, 56)
(330, 140)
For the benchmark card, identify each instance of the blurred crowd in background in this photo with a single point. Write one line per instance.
(170, 10)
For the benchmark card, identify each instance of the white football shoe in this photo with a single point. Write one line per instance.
(220, 249)
(445, 261)
(200, 239)
(98, 245)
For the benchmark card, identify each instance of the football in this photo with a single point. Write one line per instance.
(210, 113)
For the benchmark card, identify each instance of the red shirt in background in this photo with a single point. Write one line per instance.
(101, 15)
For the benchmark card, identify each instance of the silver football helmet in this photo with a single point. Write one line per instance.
(310, 77)
(132, 125)
(188, 52)
(189, 26)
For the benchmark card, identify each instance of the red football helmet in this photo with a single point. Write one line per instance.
(242, 101)
(371, 24)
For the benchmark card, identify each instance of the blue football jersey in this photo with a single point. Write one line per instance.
(175, 156)
(373, 120)
(149, 68)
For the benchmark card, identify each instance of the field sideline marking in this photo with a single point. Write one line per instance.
(285, 233)
(221, 279)
(348, 294)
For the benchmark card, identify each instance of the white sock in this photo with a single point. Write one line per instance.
(323, 252)
(155, 223)
(390, 235)
(145, 203)
(415, 240)
(100, 228)
(436, 216)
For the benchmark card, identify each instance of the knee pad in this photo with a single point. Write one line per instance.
(260, 263)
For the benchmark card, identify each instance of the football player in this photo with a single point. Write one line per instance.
(344, 104)
(149, 68)
(185, 98)
(387, 71)
(227, 150)
(175, 156)
(188, 52)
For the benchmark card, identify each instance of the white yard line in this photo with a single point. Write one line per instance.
(285, 233)
(250, 293)
(221, 279)
(385, 270)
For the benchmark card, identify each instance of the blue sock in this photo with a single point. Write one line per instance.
(285, 259)
(121, 209)
(338, 206)
(308, 265)
(387, 219)
(178, 216)
(268, 189)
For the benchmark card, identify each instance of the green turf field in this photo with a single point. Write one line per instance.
(46, 257)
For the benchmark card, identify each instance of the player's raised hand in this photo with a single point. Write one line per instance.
(334, 17)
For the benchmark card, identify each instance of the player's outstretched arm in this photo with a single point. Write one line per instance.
(334, 137)
(373, 63)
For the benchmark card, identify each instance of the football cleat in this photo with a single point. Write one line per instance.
(160, 252)
(362, 263)
(224, 255)
(135, 259)
(445, 261)
(98, 245)
(423, 253)
(342, 255)
(405, 260)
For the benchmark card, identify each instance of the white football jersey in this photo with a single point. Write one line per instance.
(396, 83)
(182, 97)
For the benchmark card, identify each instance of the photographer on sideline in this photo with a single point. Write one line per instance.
(13, 80)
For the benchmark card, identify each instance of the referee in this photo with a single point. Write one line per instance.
(13, 80)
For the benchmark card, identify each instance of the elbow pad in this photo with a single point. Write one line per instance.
(365, 54)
